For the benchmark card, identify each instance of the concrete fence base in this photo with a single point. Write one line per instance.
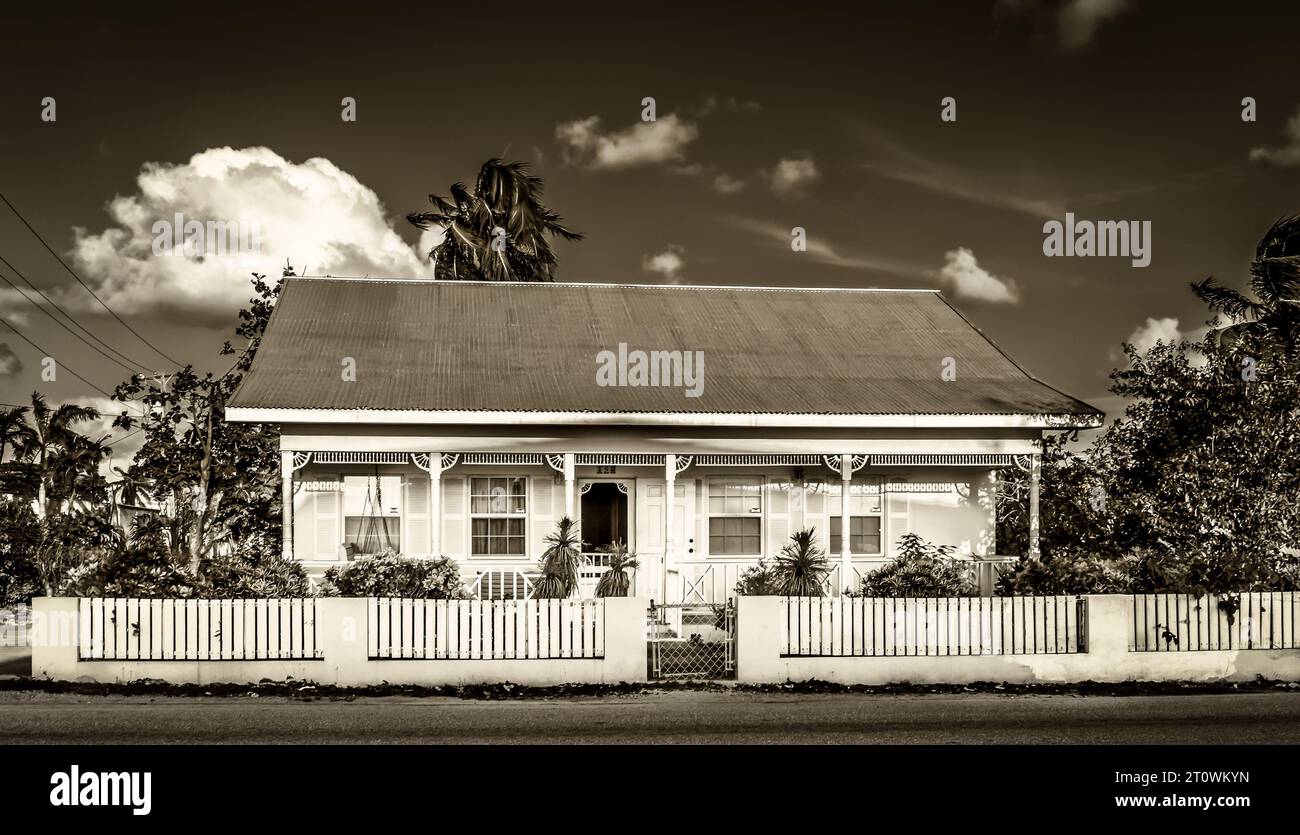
(344, 658)
(760, 639)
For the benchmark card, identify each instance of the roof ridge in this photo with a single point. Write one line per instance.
(611, 285)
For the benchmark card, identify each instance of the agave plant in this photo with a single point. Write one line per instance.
(615, 582)
(559, 563)
(801, 566)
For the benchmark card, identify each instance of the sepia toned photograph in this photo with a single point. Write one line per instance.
(875, 376)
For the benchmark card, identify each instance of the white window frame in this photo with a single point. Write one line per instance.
(471, 516)
(399, 501)
(833, 490)
(761, 516)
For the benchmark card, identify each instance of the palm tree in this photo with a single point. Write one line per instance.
(498, 231)
(12, 423)
(801, 567)
(45, 441)
(559, 564)
(615, 582)
(1270, 321)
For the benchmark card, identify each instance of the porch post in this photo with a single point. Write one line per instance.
(435, 504)
(670, 490)
(286, 504)
(1035, 476)
(568, 484)
(846, 541)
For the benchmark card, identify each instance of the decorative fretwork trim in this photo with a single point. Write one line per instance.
(684, 461)
(1023, 462)
(832, 462)
(362, 457)
(504, 458)
(757, 460)
(627, 459)
(555, 461)
(300, 460)
(424, 460)
(943, 459)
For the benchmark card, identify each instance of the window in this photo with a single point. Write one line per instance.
(864, 516)
(736, 517)
(498, 508)
(372, 513)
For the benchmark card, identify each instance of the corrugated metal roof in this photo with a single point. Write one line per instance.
(426, 345)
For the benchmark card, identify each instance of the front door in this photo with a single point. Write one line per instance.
(604, 518)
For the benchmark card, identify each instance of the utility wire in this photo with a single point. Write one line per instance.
(44, 352)
(83, 284)
(60, 323)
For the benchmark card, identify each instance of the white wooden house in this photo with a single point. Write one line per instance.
(465, 419)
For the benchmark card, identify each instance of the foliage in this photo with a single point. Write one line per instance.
(220, 480)
(801, 566)
(559, 563)
(921, 569)
(758, 580)
(129, 572)
(391, 575)
(1065, 574)
(244, 575)
(20, 536)
(615, 582)
(498, 231)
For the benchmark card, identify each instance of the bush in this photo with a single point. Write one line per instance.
(1064, 574)
(615, 582)
(758, 580)
(252, 575)
(801, 567)
(20, 536)
(128, 572)
(921, 570)
(391, 575)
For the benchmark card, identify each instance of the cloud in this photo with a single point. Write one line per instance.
(895, 161)
(726, 184)
(1166, 329)
(792, 176)
(712, 104)
(1288, 154)
(10, 364)
(968, 280)
(643, 143)
(312, 213)
(668, 263)
(822, 252)
(1080, 20)
(13, 307)
(1077, 21)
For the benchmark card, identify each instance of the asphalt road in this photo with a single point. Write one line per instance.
(670, 717)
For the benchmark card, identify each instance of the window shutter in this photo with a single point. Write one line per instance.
(701, 543)
(328, 527)
(454, 508)
(777, 510)
(415, 514)
(683, 518)
(543, 512)
(650, 519)
(898, 510)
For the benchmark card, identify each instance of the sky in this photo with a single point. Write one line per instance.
(768, 116)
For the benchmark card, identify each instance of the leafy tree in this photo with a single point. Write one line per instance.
(496, 232)
(220, 481)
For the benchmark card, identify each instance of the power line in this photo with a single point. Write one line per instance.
(59, 322)
(24, 338)
(83, 284)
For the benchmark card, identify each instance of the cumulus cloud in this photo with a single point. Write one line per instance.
(726, 184)
(1077, 21)
(668, 263)
(1286, 155)
(643, 143)
(1153, 330)
(792, 176)
(962, 274)
(10, 364)
(312, 213)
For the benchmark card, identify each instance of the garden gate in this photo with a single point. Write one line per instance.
(691, 640)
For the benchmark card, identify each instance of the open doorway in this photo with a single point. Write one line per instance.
(604, 515)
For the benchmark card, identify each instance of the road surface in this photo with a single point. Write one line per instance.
(668, 717)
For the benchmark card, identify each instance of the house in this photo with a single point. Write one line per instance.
(699, 425)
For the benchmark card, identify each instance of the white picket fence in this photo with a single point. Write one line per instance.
(138, 629)
(1184, 623)
(485, 629)
(889, 626)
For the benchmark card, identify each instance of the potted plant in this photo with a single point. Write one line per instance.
(615, 582)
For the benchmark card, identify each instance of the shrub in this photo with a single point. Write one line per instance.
(559, 563)
(391, 575)
(20, 536)
(801, 567)
(758, 580)
(615, 582)
(922, 569)
(242, 575)
(128, 572)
